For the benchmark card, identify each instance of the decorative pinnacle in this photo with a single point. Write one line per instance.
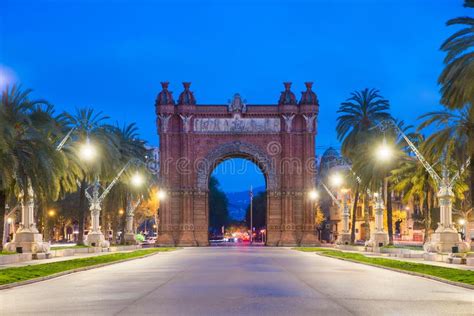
(186, 85)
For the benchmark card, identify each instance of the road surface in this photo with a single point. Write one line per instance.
(237, 281)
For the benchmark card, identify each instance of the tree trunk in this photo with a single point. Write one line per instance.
(82, 212)
(366, 216)
(471, 178)
(427, 217)
(122, 219)
(389, 213)
(3, 204)
(354, 210)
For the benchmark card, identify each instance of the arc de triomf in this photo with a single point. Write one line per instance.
(194, 139)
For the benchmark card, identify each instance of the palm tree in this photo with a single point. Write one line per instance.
(92, 126)
(458, 76)
(375, 173)
(454, 137)
(28, 155)
(130, 146)
(358, 114)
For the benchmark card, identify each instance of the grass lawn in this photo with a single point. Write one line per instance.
(69, 247)
(451, 274)
(404, 247)
(17, 274)
(4, 252)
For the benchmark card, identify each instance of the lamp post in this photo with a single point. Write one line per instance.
(380, 237)
(95, 236)
(462, 222)
(445, 237)
(314, 197)
(129, 235)
(344, 238)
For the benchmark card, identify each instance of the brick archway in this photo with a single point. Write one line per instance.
(237, 149)
(279, 138)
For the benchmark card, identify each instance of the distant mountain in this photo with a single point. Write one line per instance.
(239, 201)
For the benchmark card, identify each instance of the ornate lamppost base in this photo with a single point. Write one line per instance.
(29, 242)
(444, 241)
(377, 240)
(96, 240)
(344, 239)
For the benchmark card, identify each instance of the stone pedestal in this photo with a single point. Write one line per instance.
(29, 242)
(27, 236)
(344, 238)
(96, 239)
(380, 237)
(444, 241)
(445, 237)
(129, 235)
(377, 239)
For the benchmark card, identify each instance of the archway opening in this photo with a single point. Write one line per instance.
(237, 202)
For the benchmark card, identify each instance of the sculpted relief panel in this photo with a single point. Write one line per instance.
(237, 124)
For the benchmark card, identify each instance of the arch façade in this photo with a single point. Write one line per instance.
(194, 139)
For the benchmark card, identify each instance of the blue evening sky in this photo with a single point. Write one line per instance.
(111, 55)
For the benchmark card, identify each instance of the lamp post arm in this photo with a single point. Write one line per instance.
(460, 172)
(137, 204)
(13, 210)
(88, 196)
(117, 177)
(359, 181)
(64, 140)
(384, 125)
(331, 195)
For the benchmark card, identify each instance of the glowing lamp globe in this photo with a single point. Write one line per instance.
(87, 152)
(336, 180)
(384, 152)
(161, 195)
(313, 195)
(137, 179)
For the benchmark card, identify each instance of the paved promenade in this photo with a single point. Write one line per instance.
(238, 281)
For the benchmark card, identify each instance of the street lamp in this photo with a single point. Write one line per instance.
(445, 237)
(51, 213)
(137, 179)
(314, 195)
(384, 152)
(161, 195)
(87, 151)
(336, 180)
(95, 237)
